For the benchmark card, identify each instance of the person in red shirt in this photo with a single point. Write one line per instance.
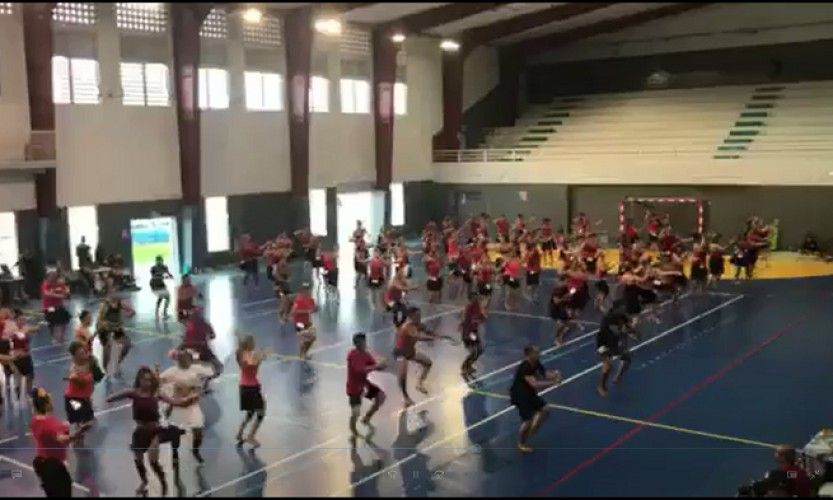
(511, 280)
(79, 389)
(198, 336)
(186, 292)
(376, 267)
(251, 397)
(52, 436)
(473, 316)
(520, 223)
(502, 226)
(462, 270)
(360, 363)
(23, 367)
(533, 271)
(547, 240)
(302, 309)
(53, 292)
(434, 282)
(249, 252)
(329, 263)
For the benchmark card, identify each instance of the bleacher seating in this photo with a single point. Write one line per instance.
(717, 122)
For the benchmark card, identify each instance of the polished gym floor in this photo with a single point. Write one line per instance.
(724, 377)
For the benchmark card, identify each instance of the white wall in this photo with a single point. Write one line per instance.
(481, 73)
(16, 194)
(413, 133)
(14, 100)
(647, 170)
(714, 26)
(244, 152)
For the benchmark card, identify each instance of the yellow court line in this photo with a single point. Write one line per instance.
(655, 425)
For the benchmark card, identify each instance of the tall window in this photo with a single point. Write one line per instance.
(83, 222)
(319, 95)
(355, 96)
(8, 239)
(400, 98)
(397, 204)
(215, 24)
(318, 211)
(264, 91)
(213, 88)
(216, 224)
(74, 80)
(144, 84)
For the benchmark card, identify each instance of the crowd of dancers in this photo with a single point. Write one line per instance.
(463, 264)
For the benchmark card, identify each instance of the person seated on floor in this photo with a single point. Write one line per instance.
(810, 245)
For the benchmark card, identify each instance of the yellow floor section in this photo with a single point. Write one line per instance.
(777, 265)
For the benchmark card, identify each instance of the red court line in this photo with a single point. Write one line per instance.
(714, 377)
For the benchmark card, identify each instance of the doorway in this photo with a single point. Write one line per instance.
(150, 238)
(366, 206)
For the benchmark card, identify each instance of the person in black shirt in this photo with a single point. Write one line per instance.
(158, 273)
(529, 379)
(611, 343)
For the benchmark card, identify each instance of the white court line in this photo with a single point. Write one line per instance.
(436, 396)
(534, 316)
(270, 466)
(17, 463)
(276, 358)
(511, 407)
(9, 439)
(247, 304)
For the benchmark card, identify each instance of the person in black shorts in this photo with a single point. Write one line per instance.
(530, 378)
(360, 363)
(611, 342)
(560, 310)
(158, 274)
(110, 326)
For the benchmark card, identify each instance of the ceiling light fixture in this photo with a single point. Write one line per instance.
(449, 45)
(398, 38)
(328, 26)
(252, 16)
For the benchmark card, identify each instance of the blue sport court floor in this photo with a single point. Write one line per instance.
(724, 377)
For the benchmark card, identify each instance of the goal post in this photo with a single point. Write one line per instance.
(686, 213)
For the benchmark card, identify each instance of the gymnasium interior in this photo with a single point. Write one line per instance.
(178, 130)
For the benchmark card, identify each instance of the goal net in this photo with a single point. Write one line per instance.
(685, 214)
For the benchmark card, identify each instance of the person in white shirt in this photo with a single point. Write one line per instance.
(185, 380)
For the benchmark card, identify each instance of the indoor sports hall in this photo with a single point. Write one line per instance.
(587, 246)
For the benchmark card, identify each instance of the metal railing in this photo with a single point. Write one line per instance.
(543, 153)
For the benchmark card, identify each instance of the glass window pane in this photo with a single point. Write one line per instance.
(272, 92)
(361, 96)
(60, 80)
(216, 224)
(84, 73)
(202, 84)
(397, 204)
(8, 240)
(218, 97)
(318, 211)
(156, 84)
(132, 86)
(319, 98)
(254, 90)
(400, 98)
(348, 102)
